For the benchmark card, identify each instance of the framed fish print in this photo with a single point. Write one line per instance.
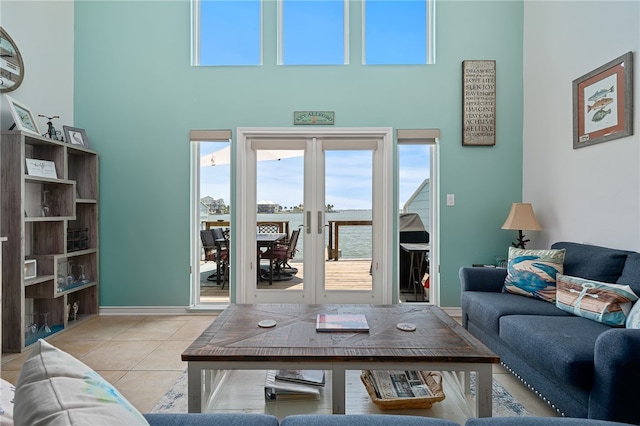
(603, 103)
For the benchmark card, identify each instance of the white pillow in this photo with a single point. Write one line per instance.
(54, 388)
(7, 396)
(633, 318)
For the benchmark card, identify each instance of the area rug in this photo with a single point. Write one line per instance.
(504, 404)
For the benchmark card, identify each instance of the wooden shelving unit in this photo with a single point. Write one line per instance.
(64, 243)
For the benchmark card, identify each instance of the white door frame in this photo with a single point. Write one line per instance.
(383, 216)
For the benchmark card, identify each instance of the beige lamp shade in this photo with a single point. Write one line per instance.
(521, 218)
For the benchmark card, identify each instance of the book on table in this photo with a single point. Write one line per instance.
(342, 322)
(278, 390)
(307, 377)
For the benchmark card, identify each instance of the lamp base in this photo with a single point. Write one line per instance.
(521, 242)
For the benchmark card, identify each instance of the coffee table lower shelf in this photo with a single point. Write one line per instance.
(242, 390)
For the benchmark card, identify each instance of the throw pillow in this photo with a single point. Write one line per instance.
(633, 319)
(532, 273)
(7, 398)
(54, 388)
(595, 300)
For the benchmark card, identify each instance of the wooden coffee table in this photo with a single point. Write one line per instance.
(234, 341)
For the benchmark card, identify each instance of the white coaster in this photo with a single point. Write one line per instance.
(267, 323)
(406, 326)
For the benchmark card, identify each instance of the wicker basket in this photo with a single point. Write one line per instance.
(432, 379)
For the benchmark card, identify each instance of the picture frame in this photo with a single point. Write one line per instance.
(76, 136)
(22, 116)
(603, 103)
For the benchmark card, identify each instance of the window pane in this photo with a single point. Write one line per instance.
(313, 32)
(230, 32)
(395, 32)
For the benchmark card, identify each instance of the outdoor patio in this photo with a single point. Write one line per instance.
(347, 274)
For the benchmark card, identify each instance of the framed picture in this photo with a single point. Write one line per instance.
(22, 116)
(603, 103)
(76, 136)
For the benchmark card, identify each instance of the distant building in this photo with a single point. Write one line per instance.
(266, 206)
(420, 203)
(215, 206)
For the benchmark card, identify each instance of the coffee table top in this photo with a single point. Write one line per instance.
(235, 336)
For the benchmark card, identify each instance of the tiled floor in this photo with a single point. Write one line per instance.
(140, 356)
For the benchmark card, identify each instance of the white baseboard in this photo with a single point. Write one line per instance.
(453, 312)
(195, 310)
(161, 310)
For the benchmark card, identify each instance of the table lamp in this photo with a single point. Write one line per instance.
(521, 218)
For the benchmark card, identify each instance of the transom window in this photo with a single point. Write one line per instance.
(313, 32)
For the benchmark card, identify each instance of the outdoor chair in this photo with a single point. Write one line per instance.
(268, 228)
(208, 245)
(216, 248)
(281, 254)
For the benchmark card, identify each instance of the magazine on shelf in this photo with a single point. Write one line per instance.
(342, 322)
(400, 384)
(307, 377)
(277, 390)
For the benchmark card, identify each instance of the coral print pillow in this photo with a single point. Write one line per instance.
(532, 273)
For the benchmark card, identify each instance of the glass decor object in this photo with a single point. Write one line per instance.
(46, 210)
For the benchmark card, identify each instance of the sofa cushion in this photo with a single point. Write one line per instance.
(362, 420)
(592, 262)
(532, 273)
(54, 388)
(560, 348)
(486, 308)
(211, 419)
(594, 300)
(631, 273)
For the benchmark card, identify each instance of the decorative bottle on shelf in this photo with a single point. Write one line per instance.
(46, 210)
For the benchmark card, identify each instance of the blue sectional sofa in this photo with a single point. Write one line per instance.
(581, 367)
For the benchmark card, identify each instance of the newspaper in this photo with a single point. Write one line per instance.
(400, 384)
(281, 390)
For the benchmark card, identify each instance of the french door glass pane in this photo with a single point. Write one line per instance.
(279, 201)
(348, 214)
(214, 190)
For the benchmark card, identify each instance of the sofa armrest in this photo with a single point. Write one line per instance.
(616, 382)
(482, 279)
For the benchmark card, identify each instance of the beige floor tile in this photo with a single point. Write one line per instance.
(167, 356)
(144, 388)
(151, 330)
(10, 376)
(14, 362)
(76, 348)
(191, 330)
(119, 355)
(112, 376)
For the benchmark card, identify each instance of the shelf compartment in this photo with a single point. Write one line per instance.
(44, 238)
(83, 169)
(60, 198)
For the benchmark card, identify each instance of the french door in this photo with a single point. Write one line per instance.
(343, 169)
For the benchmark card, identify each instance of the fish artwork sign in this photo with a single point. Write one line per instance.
(602, 103)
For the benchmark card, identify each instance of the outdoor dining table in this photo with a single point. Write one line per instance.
(418, 252)
(269, 241)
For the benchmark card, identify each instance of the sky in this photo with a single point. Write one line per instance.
(313, 32)
(348, 177)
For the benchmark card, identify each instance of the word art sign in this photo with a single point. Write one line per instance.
(479, 103)
(314, 117)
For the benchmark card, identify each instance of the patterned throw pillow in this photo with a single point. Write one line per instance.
(55, 388)
(598, 301)
(633, 319)
(532, 273)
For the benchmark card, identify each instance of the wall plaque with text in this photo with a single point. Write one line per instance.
(478, 103)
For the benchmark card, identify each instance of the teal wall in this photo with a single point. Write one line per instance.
(137, 97)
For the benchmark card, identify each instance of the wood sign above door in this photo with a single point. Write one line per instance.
(314, 117)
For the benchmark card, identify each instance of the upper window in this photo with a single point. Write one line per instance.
(398, 32)
(312, 32)
(226, 32)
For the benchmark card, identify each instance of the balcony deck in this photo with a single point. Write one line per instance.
(352, 274)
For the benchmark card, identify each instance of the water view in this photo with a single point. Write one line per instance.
(355, 241)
